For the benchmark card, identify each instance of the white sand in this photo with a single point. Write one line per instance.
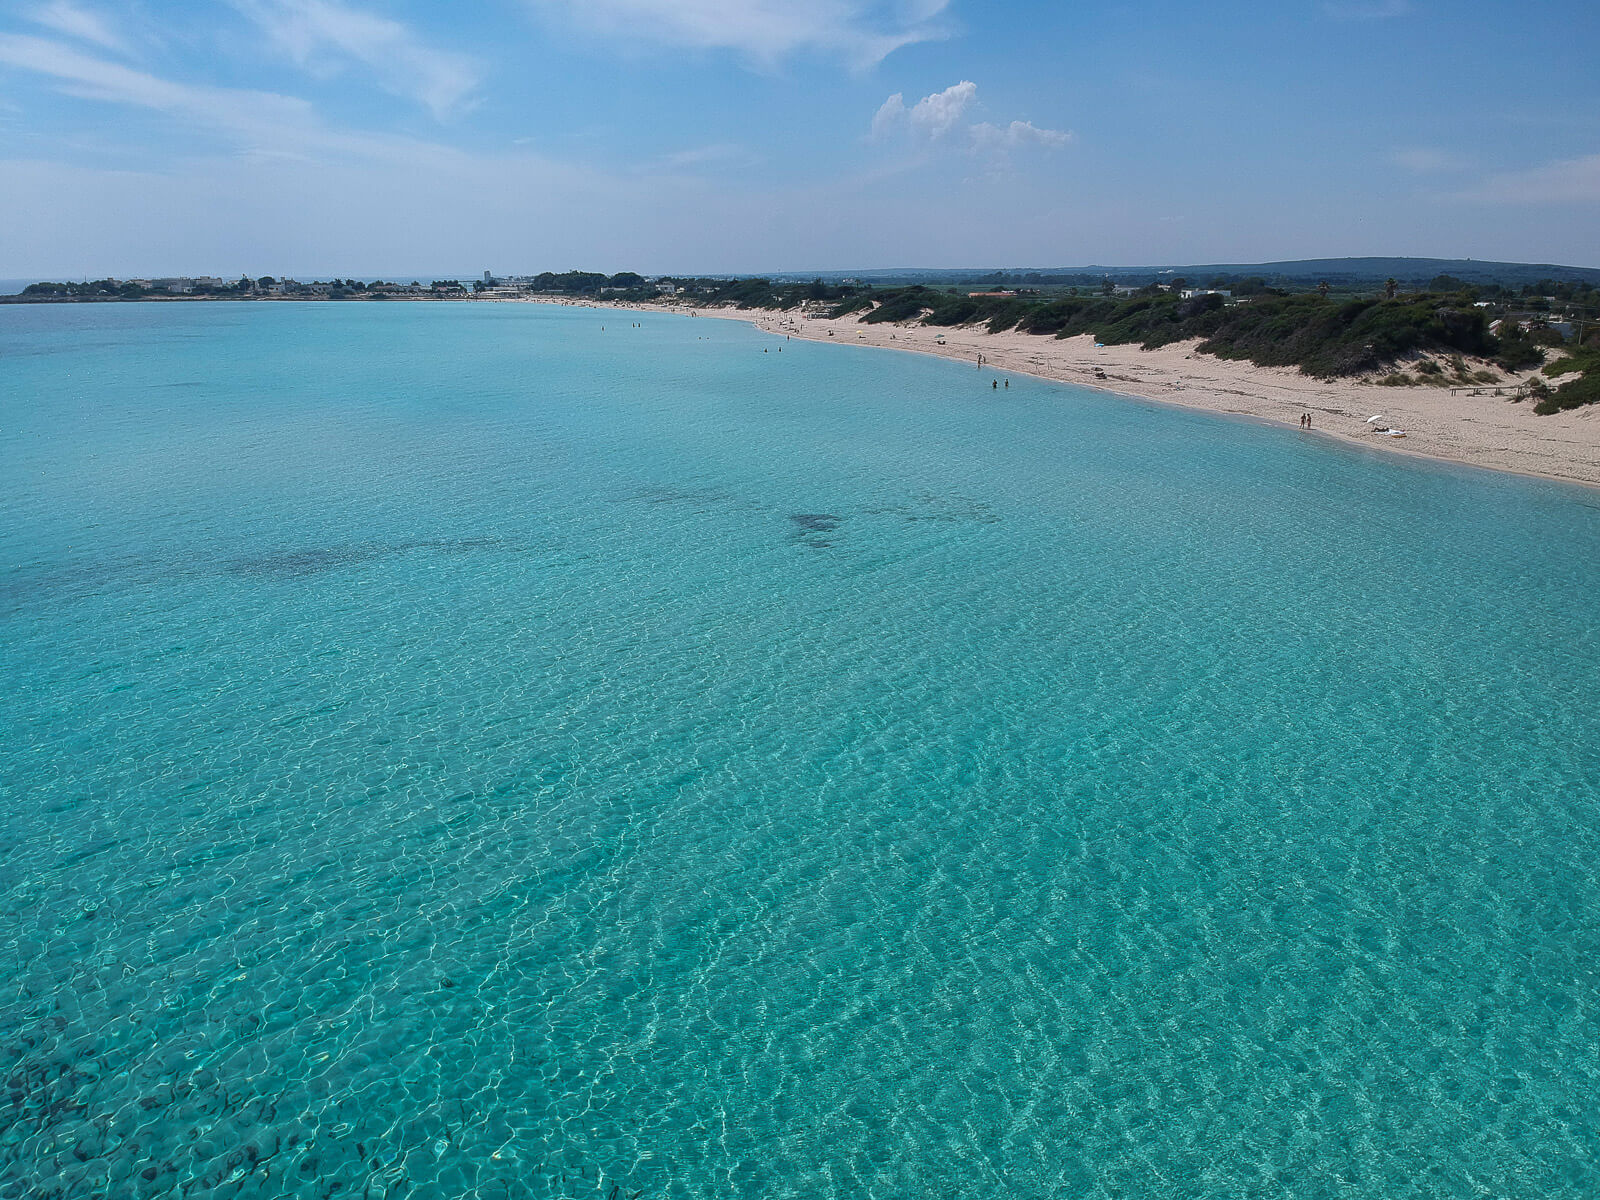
(1483, 431)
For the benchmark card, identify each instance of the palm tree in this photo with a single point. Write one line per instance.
(1390, 287)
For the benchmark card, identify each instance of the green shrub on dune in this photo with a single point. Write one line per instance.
(1584, 386)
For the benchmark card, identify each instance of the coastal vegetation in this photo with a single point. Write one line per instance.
(1583, 366)
(1320, 332)
(1404, 334)
(243, 288)
(1322, 336)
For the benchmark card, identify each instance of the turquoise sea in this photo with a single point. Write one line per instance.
(497, 751)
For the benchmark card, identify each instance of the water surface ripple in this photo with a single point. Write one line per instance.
(462, 751)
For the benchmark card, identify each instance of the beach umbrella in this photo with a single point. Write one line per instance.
(1377, 417)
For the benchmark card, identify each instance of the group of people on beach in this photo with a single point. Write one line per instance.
(1305, 420)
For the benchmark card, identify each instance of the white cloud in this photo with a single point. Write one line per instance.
(320, 34)
(81, 23)
(889, 115)
(932, 116)
(938, 116)
(1570, 181)
(1018, 134)
(862, 32)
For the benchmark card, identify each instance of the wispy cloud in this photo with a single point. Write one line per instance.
(861, 32)
(1018, 134)
(722, 154)
(84, 24)
(324, 35)
(1428, 159)
(1570, 181)
(1366, 10)
(940, 117)
(256, 122)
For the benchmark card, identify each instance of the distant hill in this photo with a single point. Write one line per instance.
(1338, 272)
(1356, 271)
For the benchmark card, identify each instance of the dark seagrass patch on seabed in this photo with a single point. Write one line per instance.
(314, 560)
(812, 528)
(699, 500)
(942, 510)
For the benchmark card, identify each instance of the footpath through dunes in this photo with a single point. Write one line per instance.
(1471, 425)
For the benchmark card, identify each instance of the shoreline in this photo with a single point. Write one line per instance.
(1484, 431)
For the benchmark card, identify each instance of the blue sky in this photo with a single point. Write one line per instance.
(422, 136)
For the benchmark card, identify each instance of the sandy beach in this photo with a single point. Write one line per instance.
(1485, 430)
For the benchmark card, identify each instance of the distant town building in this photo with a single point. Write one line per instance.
(1191, 293)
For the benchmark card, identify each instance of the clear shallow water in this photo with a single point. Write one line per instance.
(454, 751)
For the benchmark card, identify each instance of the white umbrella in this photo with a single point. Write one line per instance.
(1378, 417)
